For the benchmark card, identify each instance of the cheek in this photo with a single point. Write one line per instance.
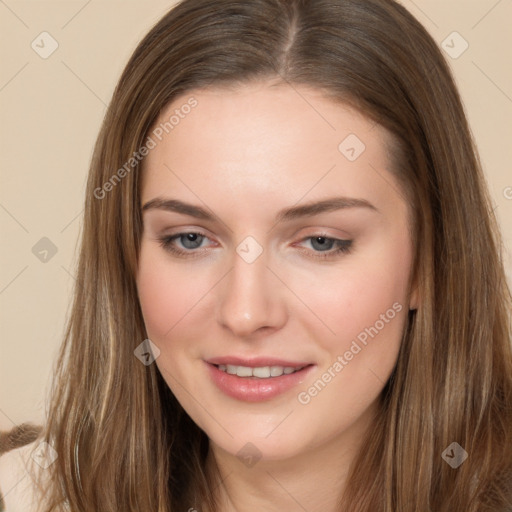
(365, 304)
(166, 298)
(167, 292)
(159, 301)
(353, 297)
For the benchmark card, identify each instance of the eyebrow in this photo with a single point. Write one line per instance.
(288, 214)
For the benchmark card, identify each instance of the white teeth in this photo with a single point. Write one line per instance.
(231, 369)
(276, 371)
(262, 372)
(243, 371)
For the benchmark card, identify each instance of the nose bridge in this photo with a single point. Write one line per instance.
(249, 298)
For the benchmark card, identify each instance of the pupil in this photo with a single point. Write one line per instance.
(191, 240)
(322, 243)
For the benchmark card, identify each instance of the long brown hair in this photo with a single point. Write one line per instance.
(124, 442)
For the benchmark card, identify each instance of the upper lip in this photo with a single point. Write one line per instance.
(255, 362)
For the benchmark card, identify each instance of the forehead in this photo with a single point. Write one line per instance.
(265, 141)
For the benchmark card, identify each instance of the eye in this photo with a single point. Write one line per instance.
(187, 244)
(191, 240)
(184, 244)
(325, 247)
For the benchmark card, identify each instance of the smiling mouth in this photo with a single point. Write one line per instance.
(258, 382)
(259, 372)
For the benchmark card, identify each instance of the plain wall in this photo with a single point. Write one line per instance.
(51, 111)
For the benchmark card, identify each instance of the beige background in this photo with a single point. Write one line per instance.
(51, 110)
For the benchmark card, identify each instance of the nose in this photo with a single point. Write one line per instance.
(251, 299)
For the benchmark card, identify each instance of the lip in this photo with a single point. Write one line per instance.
(254, 389)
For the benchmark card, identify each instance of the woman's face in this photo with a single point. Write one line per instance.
(274, 266)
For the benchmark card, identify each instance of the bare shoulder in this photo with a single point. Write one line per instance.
(17, 470)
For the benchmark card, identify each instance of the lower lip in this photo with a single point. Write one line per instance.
(254, 389)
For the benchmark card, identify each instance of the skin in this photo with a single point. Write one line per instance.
(245, 154)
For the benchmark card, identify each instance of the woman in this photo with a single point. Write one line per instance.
(290, 292)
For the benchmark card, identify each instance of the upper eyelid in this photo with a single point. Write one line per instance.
(316, 231)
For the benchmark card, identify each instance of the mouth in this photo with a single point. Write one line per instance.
(257, 380)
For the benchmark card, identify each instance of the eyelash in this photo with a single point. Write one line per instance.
(343, 246)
